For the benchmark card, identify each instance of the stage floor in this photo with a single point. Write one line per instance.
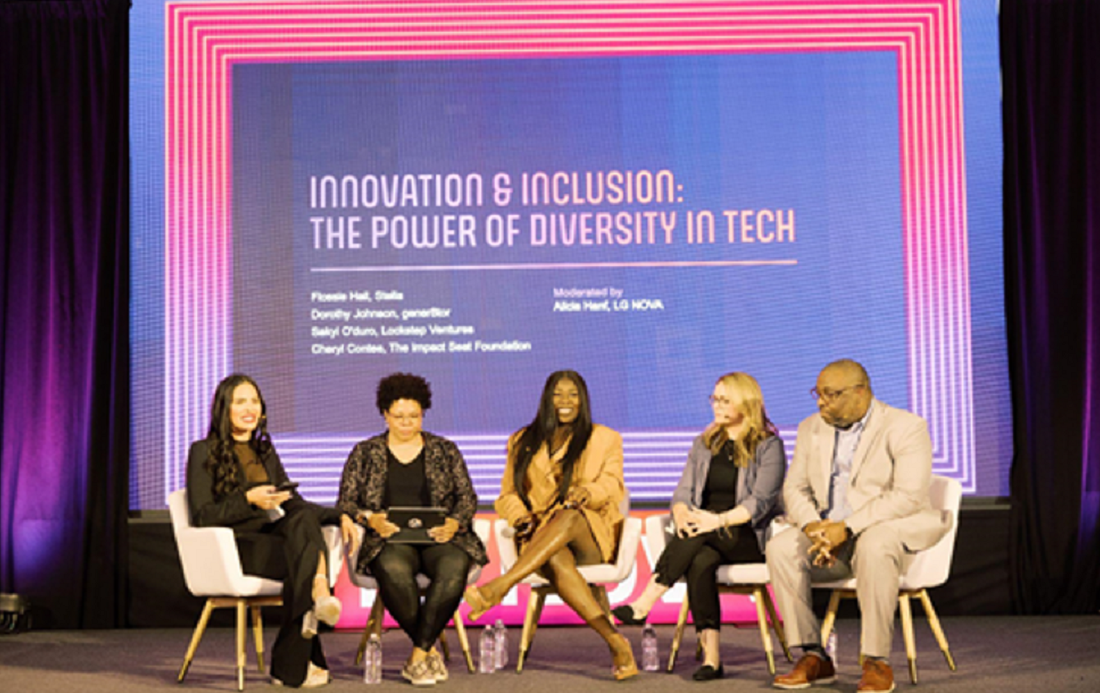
(993, 654)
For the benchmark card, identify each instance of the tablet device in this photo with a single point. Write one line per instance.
(414, 524)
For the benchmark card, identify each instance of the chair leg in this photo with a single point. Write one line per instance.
(200, 628)
(373, 625)
(464, 642)
(258, 634)
(762, 622)
(535, 602)
(777, 625)
(678, 634)
(444, 646)
(937, 629)
(242, 630)
(830, 616)
(907, 635)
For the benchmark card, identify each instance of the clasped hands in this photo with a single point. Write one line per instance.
(825, 536)
(691, 522)
(577, 498)
(386, 529)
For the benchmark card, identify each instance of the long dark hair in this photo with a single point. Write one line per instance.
(222, 463)
(541, 431)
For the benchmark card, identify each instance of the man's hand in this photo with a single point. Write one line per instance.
(826, 537)
(444, 532)
(382, 526)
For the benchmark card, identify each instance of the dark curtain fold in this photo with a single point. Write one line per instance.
(1050, 57)
(64, 282)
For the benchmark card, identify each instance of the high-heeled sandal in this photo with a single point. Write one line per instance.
(479, 604)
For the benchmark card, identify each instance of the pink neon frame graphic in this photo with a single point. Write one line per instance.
(205, 40)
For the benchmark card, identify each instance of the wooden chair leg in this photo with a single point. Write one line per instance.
(830, 616)
(762, 622)
(258, 636)
(196, 638)
(242, 630)
(777, 625)
(907, 635)
(530, 623)
(444, 646)
(937, 629)
(372, 626)
(464, 642)
(678, 634)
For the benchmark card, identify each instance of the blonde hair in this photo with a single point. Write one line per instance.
(757, 427)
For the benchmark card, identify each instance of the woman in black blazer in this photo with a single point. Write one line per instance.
(235, 480)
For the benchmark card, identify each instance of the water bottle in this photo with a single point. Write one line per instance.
(372, 661)
(487, 651)
(501, 644)
(649, 648)
(830, 646)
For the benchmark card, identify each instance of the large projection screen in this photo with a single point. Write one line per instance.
(652, 194)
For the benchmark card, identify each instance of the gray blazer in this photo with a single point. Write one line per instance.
(758, 485)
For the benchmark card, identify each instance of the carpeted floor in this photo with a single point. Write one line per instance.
(993, 654)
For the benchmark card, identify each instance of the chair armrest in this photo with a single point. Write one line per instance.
(656, 535)
(211, 565)
(628, 546)
(334, 540)
(506, 547)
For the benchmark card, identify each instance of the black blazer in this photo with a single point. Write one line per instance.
(363, 487)
(233, 509)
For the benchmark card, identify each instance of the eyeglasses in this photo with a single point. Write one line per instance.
(720, 401)
(832, 395)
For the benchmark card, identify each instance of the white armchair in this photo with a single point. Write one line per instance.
(212, 569)
(597, 576)
(929, 568)
(750, 579)
(481, 528)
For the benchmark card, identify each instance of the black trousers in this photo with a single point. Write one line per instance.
(289, 550)
(698, 558)
(395, 569)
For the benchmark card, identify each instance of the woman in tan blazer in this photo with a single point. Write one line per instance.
(561, 490)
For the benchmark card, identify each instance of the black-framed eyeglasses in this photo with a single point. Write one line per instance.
(831, 395)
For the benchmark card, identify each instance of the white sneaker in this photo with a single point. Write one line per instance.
(419, 673)
(315, 677)
(327, 610)
(437, 666)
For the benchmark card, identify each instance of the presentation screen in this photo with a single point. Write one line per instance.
(483, 193)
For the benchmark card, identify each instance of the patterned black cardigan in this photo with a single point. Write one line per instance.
(363, 487)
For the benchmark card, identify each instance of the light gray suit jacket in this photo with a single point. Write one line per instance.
(891, 471)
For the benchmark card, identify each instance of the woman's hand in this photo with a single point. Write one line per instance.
(524, 527)
(266, 497)
(444, 532)
(350, 533)
(382, 526)
(699, 522)
(680, 516)
(578, 497)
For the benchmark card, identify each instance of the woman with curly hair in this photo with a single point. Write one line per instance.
(562, 485)
(235, 479)
(406, 466)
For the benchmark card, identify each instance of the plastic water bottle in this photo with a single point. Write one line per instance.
(830, 646)
(487, 651)
(501, 634)
(649, 648)
(372, 661)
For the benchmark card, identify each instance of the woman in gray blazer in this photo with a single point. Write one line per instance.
(722, 509)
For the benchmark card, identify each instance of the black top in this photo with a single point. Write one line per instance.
(720, 491)
(406, 484)
(250, 463)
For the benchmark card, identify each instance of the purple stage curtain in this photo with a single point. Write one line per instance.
(1050, 55)
(64, 283)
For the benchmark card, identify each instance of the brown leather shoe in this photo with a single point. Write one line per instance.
(810, 670)
(877, 677)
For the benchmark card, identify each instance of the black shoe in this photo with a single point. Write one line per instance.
(708, 673)
(625, 615)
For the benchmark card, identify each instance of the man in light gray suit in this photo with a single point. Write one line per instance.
(858, 490)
